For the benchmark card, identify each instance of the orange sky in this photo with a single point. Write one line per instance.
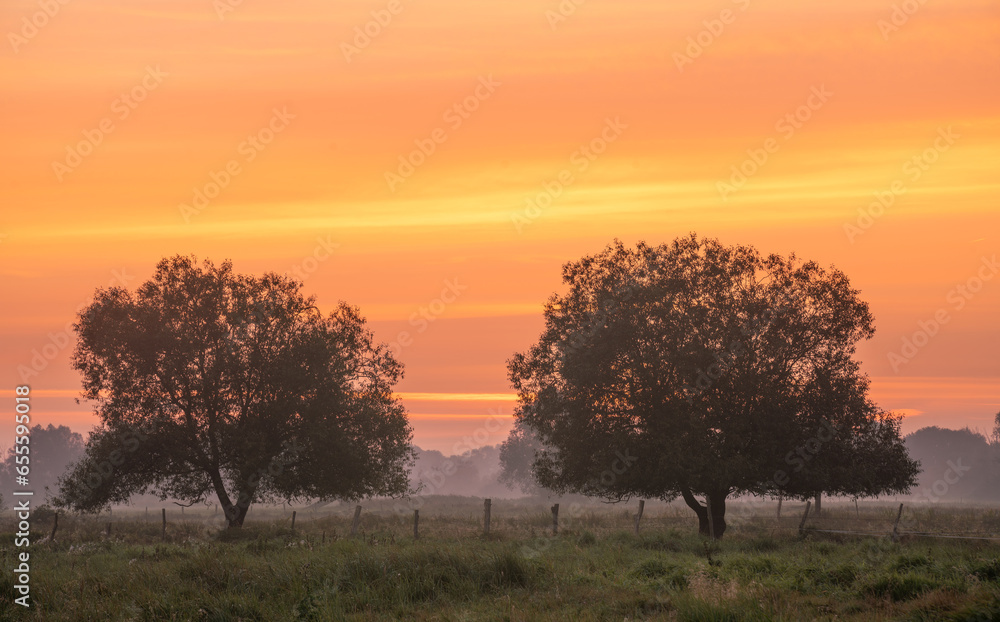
(673, 95)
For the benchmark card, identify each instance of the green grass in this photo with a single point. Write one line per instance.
(596, 569)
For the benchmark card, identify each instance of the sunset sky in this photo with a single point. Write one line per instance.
(438, 171)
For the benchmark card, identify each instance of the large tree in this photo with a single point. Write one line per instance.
(208, 382)
(695, 369)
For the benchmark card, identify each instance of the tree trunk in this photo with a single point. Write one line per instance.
(717, 500)
(699, 509)
(234, 512)
(718, 506)
(235, 515)
(818, 504)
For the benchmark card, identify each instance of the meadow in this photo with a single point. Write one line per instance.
(596, 568)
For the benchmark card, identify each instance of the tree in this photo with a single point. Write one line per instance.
(957, 464)
(695, 369)
(517, 457)
(472, 473)
(996, 430)
(51, 450)
(209, 382)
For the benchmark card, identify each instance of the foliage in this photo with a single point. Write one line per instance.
(694, 368)
(208, 382)
(517, 457)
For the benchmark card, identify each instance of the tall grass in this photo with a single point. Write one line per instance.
(596, 569)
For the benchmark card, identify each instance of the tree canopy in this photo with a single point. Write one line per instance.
(208, 382)
(697, 369)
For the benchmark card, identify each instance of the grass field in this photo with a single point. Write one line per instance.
(595, 569)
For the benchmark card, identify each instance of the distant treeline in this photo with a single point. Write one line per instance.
(956, 466)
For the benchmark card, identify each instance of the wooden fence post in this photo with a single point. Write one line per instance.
(805, 515)
(357, 520)
(638, 517)
(55, 525)
(895, 526)
(555, 519)
(164, 534)
(293, 520)
(486, 516)
(416, 524)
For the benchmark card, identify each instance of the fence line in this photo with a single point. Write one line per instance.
(877, 515)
